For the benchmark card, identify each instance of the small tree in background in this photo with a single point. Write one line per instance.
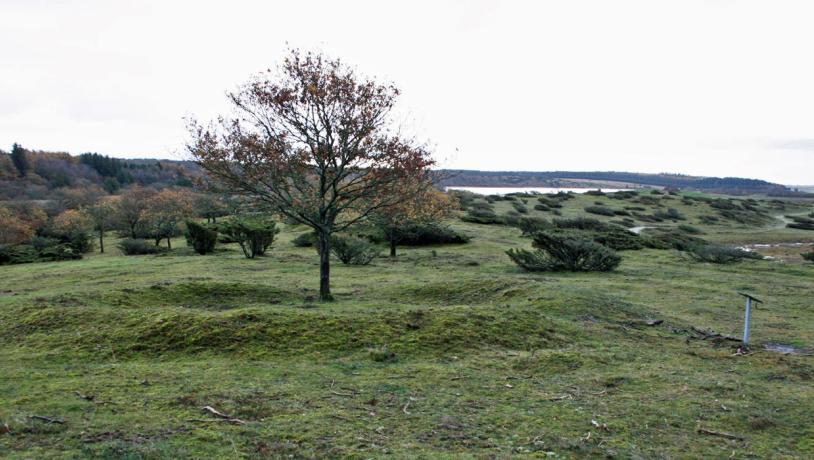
(165, 212)
(210, 207)
(254, 234)
(315, 142)
(20, 160)
(73, 228)
(13, 230)
(131, 209)
(423, 205)
(103, 216)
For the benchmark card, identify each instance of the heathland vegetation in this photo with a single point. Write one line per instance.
(199, 315)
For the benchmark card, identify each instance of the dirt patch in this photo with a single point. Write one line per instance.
(785, 349)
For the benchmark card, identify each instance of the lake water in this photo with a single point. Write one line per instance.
(506, 190)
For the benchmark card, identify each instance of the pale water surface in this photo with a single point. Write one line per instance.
(507, 190)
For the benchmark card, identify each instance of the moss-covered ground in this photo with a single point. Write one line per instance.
(444, 352)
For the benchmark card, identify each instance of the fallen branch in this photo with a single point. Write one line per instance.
(48, 419)
(347, 395)
(222, 416)
(85, 397)
(404, 409)
(710, 334)
(721, 434)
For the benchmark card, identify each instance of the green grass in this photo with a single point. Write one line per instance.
(445, 352)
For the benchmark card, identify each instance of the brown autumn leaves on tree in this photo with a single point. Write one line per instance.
(424, 204)
(314, 141)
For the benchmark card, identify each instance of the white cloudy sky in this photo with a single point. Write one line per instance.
(690, 86)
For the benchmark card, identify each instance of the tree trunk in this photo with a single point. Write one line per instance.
(101, 241)
(325, 267)
(169, 244)
(392, 244)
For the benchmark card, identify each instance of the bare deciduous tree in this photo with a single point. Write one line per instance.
(315, 142)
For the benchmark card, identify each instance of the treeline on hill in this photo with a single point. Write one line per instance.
(38, 175)
(729, 185)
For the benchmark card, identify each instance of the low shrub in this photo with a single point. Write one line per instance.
(542, 207)
(137, 247)
(482, 216)
(717, 254)
(670, 214)
(597, 192)
(581, 223)
(647, 217)
(690, 229)
(658, 238)
(482, 205)
(809, 256)
(531, 225)
(619, 238)
(557, 252)
(305, 240)
(550, 202)
(254, 235)
(520, 207)
(201, 238)
(353, 251)
(425, 234)
(39, 249)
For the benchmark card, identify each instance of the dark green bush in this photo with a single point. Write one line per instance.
(597, 192)
(658, 238)
(201, 238)
(670, 214)
(40, 249)
(520, 207)
(581, 223)
(254, 235)
(717, 254)
(482, 206)
(482, 216)
(809, 256)
(557, 252)
(137, 247)
(305, 240)
(619, 238)
(79, 241)
(353, 251)
(542, 207)
(530, 225)
(690, 229)
(425, 234)
(549, 202)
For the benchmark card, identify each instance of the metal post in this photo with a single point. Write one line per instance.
(746, 318)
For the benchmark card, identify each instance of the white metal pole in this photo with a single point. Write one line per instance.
(746, 318)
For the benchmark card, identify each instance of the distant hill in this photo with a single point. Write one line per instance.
(39, 175)
(49, 173)
(608, 179)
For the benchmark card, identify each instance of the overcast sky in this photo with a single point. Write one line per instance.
(695, 87)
